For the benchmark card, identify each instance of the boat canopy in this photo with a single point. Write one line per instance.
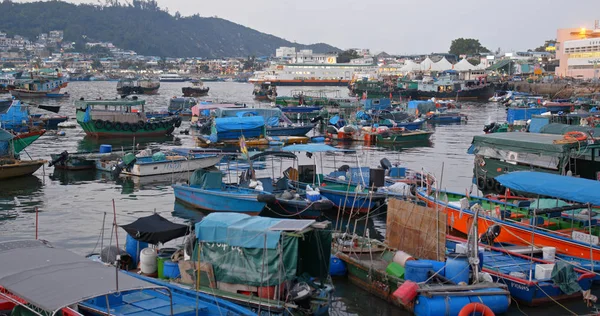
(270, 116)
(241, 230)
(561, 129)
(279, 154)
(52, 278)
(547, 184)
(155, 229)
(522, 142)
(312, 148)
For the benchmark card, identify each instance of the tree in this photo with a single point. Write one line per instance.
(347, 55)
(542, 48)
(474, 61)
(467, 46)
(96, 64)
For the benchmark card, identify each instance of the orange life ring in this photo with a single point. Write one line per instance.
(476, 308)
(580, 136)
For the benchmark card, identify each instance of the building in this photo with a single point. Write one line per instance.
(285, 52)
(578, 52)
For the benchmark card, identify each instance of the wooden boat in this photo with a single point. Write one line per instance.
(129, 86)
(80, 160)
(196, 90)
(85, 289)
(569, 233)
(119, 119)
(398, 136)
(207, 191)
(12, 168)
(517, 271)
(368, 269)
(22, 140)
(264, 91)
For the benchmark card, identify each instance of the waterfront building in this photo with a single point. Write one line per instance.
(578, 52)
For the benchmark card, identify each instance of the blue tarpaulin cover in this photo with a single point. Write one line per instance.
(5, 138)
(552, 185)
(238, 230)
(522, 113)
(226, 124)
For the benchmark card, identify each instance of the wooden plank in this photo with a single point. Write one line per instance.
(414, 229)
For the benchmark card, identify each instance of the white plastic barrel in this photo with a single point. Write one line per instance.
(148, 263)
(400, 257)
(548, 253)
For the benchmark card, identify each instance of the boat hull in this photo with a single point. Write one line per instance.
(316, 83)
(194, 92)
(23, 140)
(289, 131)
(20, 168)
(483, 93)
(91, 130)
(218, 201)
(172, 166)
(512, 232)
(404, 138)
(22, 93)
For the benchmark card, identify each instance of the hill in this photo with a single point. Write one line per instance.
(143, 27)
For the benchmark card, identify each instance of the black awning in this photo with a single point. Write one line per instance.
(155, 229)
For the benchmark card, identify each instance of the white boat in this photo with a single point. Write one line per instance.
(172, 78)
(157, 165)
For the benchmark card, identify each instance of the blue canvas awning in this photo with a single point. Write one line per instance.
(552, 185)
(239, 123)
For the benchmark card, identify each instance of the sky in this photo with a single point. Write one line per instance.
(400, 27)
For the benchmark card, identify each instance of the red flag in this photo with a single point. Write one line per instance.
(390, 95)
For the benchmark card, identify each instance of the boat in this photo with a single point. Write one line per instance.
(351, 198)
(522, 223)
(555, 107)
(129, 86)
(22, 140)
(38, 86)
(10, 165)
(500, 153)
(196, 90)
(446, 117)
(448, 86)
(121, 118)
(17, 119)
(207, 191)
(417, 273)
(32, 270)
(276, 123)
(81, 160)
(172, 77)
(265, 91)
(164, 163)
(287, 285)
(5, 104)
(373, 88)
(398, 136)
(326, 74)
(516, 267)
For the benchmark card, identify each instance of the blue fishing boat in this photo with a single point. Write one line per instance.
(445, 117)
(528, 278)
(17, 118)
(208, 192)
(33, 270)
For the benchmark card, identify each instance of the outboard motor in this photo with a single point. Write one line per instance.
(385, 164)
(489, 128)
(61, 158)
(300, 292)
(490, 234)
(126, 163)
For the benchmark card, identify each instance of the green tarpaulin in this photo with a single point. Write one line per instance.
(253, 266)
(565, 277)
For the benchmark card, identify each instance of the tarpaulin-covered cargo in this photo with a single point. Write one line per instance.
(516, 114)
(420, 106)
(271, 117)
(227, 128)
(261, 251)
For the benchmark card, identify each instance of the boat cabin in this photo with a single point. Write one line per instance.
(123, 111)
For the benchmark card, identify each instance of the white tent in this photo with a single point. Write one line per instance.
(410, 66)
(426, 64)
(441, 65)
(464, 65)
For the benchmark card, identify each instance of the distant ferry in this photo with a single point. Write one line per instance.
(311, 74)
(172, 78)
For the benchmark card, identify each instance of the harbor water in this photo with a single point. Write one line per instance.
(73, 204)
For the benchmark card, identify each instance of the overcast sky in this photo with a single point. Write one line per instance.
(400, 27)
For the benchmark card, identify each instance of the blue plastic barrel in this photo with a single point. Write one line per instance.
(337, 267)
(171, 270)
(480, 255)
(457, 268)
(436, 266)
(317, 139)
(105, 149)
(133, 248)
(497, 303)
(439, 305)
(416, 270)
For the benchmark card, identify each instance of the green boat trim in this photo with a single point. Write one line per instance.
(22, 141)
